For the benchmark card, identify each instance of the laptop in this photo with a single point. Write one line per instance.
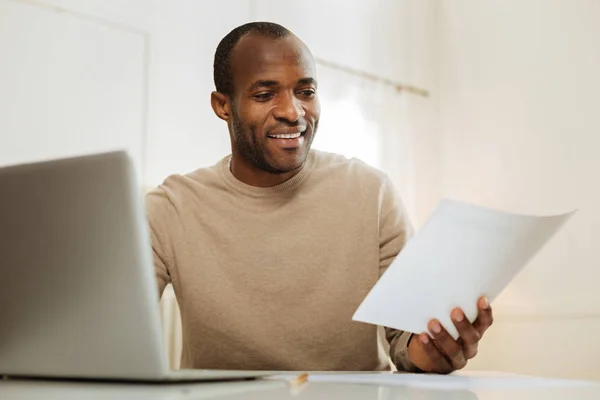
(78, 294)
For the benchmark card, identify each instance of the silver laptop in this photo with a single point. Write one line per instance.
(78, 294)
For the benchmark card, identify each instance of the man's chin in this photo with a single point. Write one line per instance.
(286, 164)
(286, 167)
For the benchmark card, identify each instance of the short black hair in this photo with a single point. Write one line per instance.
(221, 68)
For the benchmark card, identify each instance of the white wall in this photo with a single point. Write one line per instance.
(354, 33)
(185, 134)
(420, 68)
(60, 96)
(519, 88)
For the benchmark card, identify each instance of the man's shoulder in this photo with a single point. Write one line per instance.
(340, 166)
(177, 187)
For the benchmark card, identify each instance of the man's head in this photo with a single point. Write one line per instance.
(266, 86)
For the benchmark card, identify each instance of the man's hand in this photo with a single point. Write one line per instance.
(443, 354)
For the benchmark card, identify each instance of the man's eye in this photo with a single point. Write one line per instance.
(307, 93)
(263, 96)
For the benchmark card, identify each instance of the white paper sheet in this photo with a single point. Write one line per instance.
(461, 253)
(456, 381)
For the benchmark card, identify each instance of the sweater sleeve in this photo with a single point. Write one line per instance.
(394, 231)
(160, 214)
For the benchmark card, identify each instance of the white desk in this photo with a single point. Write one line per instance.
(272, 390)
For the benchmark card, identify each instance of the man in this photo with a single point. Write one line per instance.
(271, 250)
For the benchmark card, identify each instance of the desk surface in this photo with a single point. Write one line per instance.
(271, 390)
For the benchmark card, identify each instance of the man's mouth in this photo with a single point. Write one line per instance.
(288, 140)
(286, 135)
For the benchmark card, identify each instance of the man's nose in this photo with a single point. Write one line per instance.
(289, 109)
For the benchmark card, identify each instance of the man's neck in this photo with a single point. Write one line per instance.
(250, 175)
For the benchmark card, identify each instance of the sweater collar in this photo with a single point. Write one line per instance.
(254, 191)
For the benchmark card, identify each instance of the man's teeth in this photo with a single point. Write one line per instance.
(287, 136)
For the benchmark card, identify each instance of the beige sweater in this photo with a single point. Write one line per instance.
(269, 278)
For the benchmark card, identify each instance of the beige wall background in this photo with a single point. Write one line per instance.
(518, 87)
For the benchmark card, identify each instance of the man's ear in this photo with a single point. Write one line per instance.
(221, 105)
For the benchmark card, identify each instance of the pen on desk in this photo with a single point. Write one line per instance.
(300, 380)
(298, 384)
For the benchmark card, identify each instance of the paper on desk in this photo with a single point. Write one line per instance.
(461, 253)
(456, 381)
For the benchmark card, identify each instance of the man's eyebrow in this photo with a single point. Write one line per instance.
(267, 84)
(307, 81)
(264, 84)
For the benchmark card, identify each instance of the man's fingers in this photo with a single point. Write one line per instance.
(438, 362)
(444, 354)
(450, 347)
(469, 335)
(485, 317)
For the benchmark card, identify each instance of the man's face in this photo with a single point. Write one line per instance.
(275, 109)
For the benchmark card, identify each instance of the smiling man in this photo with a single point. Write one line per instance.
(271, 250)
(272, 110)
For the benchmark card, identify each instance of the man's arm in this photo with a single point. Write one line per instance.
(394, 231)
(161, 270)
(160, 214)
